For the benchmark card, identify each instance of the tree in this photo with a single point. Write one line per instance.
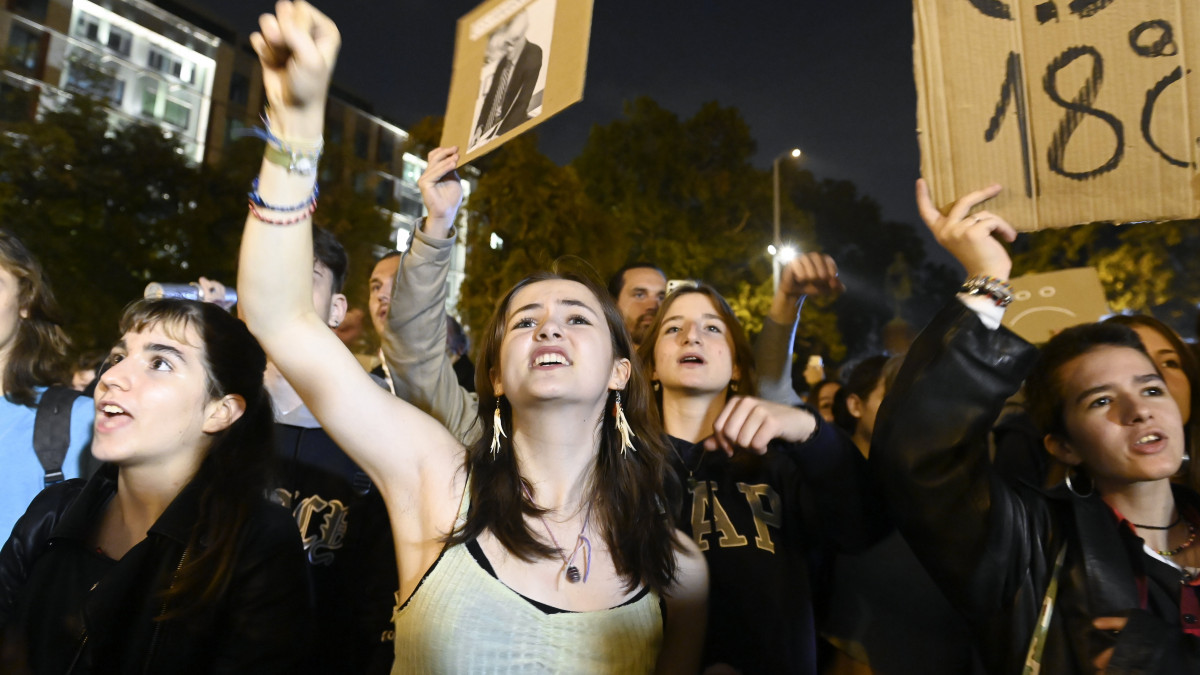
(876, 258)
(683, 194)
(541, 213)
(108, 210)
(1146, 268)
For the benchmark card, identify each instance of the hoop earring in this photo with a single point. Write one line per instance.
(622, 425)
(497, 430)
(1082, 495)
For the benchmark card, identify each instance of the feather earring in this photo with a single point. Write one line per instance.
(622, 425)
(497, 430)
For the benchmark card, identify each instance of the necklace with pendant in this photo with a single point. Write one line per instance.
(581, 541)
(691, 478)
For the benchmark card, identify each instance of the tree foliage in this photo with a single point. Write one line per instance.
(108, 209)
(541, 213)
(1144, 268)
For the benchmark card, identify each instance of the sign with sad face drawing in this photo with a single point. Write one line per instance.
(1044, 304)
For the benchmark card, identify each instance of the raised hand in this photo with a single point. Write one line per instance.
(298, 47)
(441, 190)
(749, 423)
(973, 240)
(810, 274)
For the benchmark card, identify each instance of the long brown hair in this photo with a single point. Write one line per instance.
(631, 493)
(233, 474)
(39, 351)
(743, 354)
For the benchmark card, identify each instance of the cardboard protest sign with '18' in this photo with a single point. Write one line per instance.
(1085, 110)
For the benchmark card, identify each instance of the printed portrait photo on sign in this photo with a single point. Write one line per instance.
(513, 78)
(516, 64)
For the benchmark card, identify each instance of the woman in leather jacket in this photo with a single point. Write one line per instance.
(1126, 591)
(170, 558)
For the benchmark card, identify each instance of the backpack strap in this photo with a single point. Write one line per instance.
(52, 430)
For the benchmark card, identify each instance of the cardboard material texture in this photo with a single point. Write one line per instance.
(1044, 304)
(517, 63)
(1085, 110)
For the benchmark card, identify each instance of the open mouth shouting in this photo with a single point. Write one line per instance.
(549, 357)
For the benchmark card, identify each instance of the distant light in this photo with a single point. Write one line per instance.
(496, 242)
(771, 249)
(787, 254)
(795, 153)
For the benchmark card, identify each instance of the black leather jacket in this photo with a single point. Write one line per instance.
(991, 544)
(54, 620)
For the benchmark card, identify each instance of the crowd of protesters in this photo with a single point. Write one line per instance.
(621, 483)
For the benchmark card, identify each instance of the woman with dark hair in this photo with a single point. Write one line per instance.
(822, 398)
(33, 356)
(857, 402)
(1180, 369)
(1098, 574)
(786, 490)
(546, 544)
(170, 558)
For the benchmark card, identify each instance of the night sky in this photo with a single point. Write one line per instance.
(832, 78)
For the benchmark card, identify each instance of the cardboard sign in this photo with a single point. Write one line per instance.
(516, 64)
(1083, 109)
(1044, 304)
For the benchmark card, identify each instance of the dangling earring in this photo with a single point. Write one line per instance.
(622, 425)
(733, 386)
(1077, 493)
(497, 430)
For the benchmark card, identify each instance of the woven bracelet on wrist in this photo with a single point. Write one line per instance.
(257, 200)
(301, 217)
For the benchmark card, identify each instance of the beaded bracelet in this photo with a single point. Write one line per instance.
(301, 217)
(257, 200)
(998, 290)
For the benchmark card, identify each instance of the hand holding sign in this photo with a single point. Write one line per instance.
(1084, 113)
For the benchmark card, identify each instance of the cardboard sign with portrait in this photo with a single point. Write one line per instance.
(1082, 109)
(1046, 303)
(516, 64)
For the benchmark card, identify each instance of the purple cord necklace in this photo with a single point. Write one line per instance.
(572, 571)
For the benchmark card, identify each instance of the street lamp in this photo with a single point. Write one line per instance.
(776, 243)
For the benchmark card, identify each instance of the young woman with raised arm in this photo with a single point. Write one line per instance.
(547, 545)
(1099, 574)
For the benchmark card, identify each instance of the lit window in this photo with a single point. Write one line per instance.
(177, 113)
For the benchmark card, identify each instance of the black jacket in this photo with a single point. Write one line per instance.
(65, 608)
(990, 544)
